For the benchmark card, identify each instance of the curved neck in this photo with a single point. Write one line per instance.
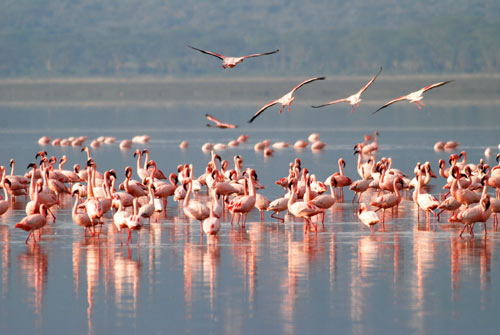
(77, 201)
(188, 194)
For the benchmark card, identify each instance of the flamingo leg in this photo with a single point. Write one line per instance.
(416, 103)
(26, 242)
(463, 229)
(352, 108)
(276, 215)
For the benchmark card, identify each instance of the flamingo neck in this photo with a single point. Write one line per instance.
(188, 194)
(77, 201)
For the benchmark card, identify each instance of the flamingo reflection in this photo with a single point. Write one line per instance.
(33, 264)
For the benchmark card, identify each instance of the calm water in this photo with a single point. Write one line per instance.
(264, 278)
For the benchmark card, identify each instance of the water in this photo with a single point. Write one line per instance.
(265, 277)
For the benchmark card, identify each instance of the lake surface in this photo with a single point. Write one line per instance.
(264, 278)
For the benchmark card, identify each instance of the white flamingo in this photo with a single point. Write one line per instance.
(416, 96)
(285, 100)
(230, 62)
(354, 99)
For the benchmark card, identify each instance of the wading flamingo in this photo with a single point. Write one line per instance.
(368, 218)
(285, 100)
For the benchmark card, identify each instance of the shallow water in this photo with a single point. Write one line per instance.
(265, 277)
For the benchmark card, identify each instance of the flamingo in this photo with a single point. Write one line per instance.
(230, 62)
(218, 123)
(33, 222)
(355, 98)
(285, 100)
(261, 203)
(195, 210)
(391, 200)
(424, 200)
(302, 209)
(120, 217)
(5, 204)
(147, 210)
(368, 218)
(211, 225)
(134, 221)
(82, 219)
(244, 204)
(415, 97)
(477, 213)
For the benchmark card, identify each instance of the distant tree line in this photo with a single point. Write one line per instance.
(438, 44)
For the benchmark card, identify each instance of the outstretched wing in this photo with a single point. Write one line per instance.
(211, 118)
(208, 52)
(391, 102)
(263, 54)
(430, 87)
(272, 103)
(370, 82)
(330, 103)
(307, 82)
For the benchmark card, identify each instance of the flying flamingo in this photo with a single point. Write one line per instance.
(230, 62)
(416, 96)
(285, 100)
(218, 123)
(355, 98)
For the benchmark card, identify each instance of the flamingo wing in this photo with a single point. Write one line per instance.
(262, 54)
(272, 103)
(306, 82)
(391, 102)
(370, 82)
(211, 118)
(208, 52)
(219, 124)
(330, 103)
(436, 85)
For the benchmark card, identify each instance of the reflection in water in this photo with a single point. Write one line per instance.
(33, 264)
(466, 254)
(4, 256)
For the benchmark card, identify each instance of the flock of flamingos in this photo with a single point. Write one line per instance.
(221, 191)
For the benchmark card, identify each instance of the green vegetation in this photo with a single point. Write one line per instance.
(48, 38)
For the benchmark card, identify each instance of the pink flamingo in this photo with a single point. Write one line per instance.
(477, 213)
(424, 200)
(5, 204)
(211, 225)
(285, 100)
(81, 218)
(354, 99)
(415, 97)
(304, 210)
(391, 200)
(195, 210)
(244, 204)
(230, 62)
(218, 123)
(33, 222)
(134, 221)
(368, 218)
